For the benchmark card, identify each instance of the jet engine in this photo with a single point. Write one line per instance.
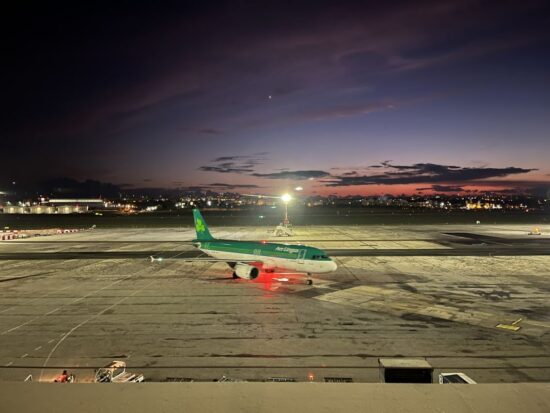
(248, 272)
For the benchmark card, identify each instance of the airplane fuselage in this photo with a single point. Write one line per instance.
(298, 258)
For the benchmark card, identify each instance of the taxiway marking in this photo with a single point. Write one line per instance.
(64, 336)
(35, 299)
(58, 308)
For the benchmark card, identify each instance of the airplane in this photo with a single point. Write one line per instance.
(246, 258)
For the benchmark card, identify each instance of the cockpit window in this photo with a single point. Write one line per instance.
(319, 257)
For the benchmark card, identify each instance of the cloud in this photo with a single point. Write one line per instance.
(425, 173)
(443, 188)
(254, 157)
(233, 186)
(239, 164)
(347, 111)
(225, 168)
(210, 131)
(294, 175)
(225, 158)
(217, 187)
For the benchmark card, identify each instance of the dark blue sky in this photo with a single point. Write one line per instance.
(338, 97)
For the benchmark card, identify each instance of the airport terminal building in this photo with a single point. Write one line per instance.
(57, 206)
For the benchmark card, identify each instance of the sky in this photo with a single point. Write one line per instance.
(260, 97)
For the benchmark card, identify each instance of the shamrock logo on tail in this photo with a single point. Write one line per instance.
(200, 225)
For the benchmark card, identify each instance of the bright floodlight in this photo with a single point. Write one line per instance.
(286, 198)
(298, 188)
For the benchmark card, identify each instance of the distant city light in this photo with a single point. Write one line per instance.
(298, 188)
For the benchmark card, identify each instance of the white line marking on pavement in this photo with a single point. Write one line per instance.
(36, 299)
(72, 302)
(86, 321)
(28, 322)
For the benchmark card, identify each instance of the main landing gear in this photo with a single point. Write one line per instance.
(309, 281)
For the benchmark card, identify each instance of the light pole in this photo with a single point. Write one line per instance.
(286, 199)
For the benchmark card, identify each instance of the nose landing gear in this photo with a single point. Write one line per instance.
(309, 281)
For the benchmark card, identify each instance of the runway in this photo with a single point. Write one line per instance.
(78, 301)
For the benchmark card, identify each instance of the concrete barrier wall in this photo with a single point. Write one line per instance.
(274, 397)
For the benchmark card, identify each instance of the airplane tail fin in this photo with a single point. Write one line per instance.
(201, 228)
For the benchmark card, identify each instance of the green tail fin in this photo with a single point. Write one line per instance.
(200, 226)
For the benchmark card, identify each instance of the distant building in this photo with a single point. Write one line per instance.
(41, 209)
(56, 206)
(81, 202)
(482, 205)
(72, 205)
(15, 209)
(70, 209)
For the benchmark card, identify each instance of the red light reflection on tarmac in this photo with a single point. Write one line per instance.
(271, 282)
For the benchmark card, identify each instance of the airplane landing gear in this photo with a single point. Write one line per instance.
(309, 281)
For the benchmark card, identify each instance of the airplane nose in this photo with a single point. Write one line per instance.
(333, 266)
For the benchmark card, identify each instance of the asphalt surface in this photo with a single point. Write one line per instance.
(79, 301)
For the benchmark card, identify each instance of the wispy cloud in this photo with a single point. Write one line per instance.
(443, 188)
(215, 187)
(226, 167)
(347, 111)
(210, 131)
(238, 164)
(221, 186)
(293, 175)
(425, 173)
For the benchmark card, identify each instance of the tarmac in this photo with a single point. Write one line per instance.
(468, 298)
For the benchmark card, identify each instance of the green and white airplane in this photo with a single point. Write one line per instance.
(246, 258)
